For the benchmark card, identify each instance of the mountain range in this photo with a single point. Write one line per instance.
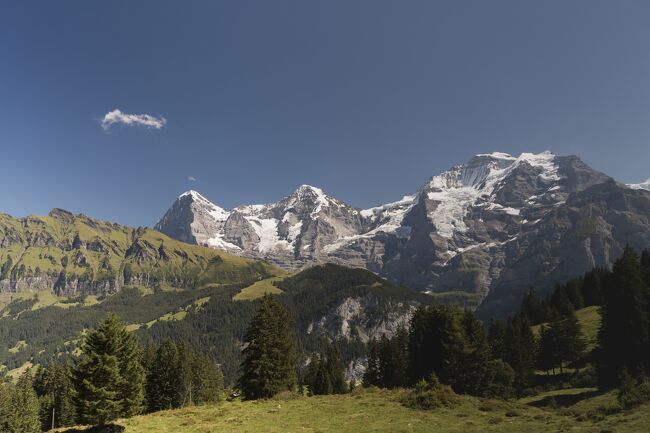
(478, 234)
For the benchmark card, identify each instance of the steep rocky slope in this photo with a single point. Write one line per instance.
(479, 233)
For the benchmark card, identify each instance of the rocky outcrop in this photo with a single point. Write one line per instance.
(363, 319)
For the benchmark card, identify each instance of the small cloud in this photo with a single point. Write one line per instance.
(116, 116)
(191, 178)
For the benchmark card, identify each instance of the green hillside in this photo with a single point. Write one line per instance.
(589, 319)
(375, 410)
(63, 273)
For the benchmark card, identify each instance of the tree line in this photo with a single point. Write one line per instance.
(454, 347)
(113, 377)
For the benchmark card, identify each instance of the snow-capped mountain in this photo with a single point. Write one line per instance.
(292, 232)
(643, 185)
(496, 224)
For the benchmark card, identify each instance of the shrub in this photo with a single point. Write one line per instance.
(632, 393)
(430, 394)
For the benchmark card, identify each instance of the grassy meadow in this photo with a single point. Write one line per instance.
(375, 410)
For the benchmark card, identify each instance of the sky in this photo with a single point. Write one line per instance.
(113, 109)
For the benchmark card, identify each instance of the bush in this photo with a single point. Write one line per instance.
(633, 393)
(430, 394)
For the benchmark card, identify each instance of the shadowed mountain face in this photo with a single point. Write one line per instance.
(478, 234)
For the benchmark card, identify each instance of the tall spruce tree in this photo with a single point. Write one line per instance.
(474, 374)
(435, 343)
(571, 342)
(206, 385)
(24, 407)
(269, 364)
(53, 385)
(108, 377)
(623, 334)
(164, 381)
(520, 351)
(548, 357)
(336, 371)
(496, 339)
(593, 286)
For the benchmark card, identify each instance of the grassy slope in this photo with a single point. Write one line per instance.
(589, 319)
(380, 411)
(93, 250)
(173, 279)
(258, 289)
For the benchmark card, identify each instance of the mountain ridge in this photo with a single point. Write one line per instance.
(450, 238)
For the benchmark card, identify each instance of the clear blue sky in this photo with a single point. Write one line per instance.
(365, 99)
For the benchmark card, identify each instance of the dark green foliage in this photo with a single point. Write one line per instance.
(429, 394)
(496, 339)
(177, 377)
(108, 377)
(473, 372)
(533, 308)
(19, 407)
(645, 266)
(632, 391)
(318, 379)
(625, 326)
(547, 354)
(593, 286)
(388, 361)
(435, 342)
(165, 378)
(520, 351)
(53, 385)
(206, 384)
(560, 343)
(269, 364)
(446, 344)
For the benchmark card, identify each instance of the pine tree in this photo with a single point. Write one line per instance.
(320, 381)
(269, 364)
(108, 377)
(207, 380)
(132, 389)
(164, 381)
(623, 335)
(372, 375)
(645, 266)
(473, 374)
(53, 386)
(520, 351)
(593, 287)
(531, 306)
(24, 407)
(571, 344)
(435, 343)
(548, 351)
(335, 371)
(496, 339)
(560, 300)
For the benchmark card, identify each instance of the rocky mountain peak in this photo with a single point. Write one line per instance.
(491, 223)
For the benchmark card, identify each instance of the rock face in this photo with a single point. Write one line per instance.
(478, 234)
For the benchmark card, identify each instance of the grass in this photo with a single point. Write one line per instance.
(258, 289)
(380, 411)
(22, 344)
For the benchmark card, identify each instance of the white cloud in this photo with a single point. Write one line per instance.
(116, 116)
(191, 178)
